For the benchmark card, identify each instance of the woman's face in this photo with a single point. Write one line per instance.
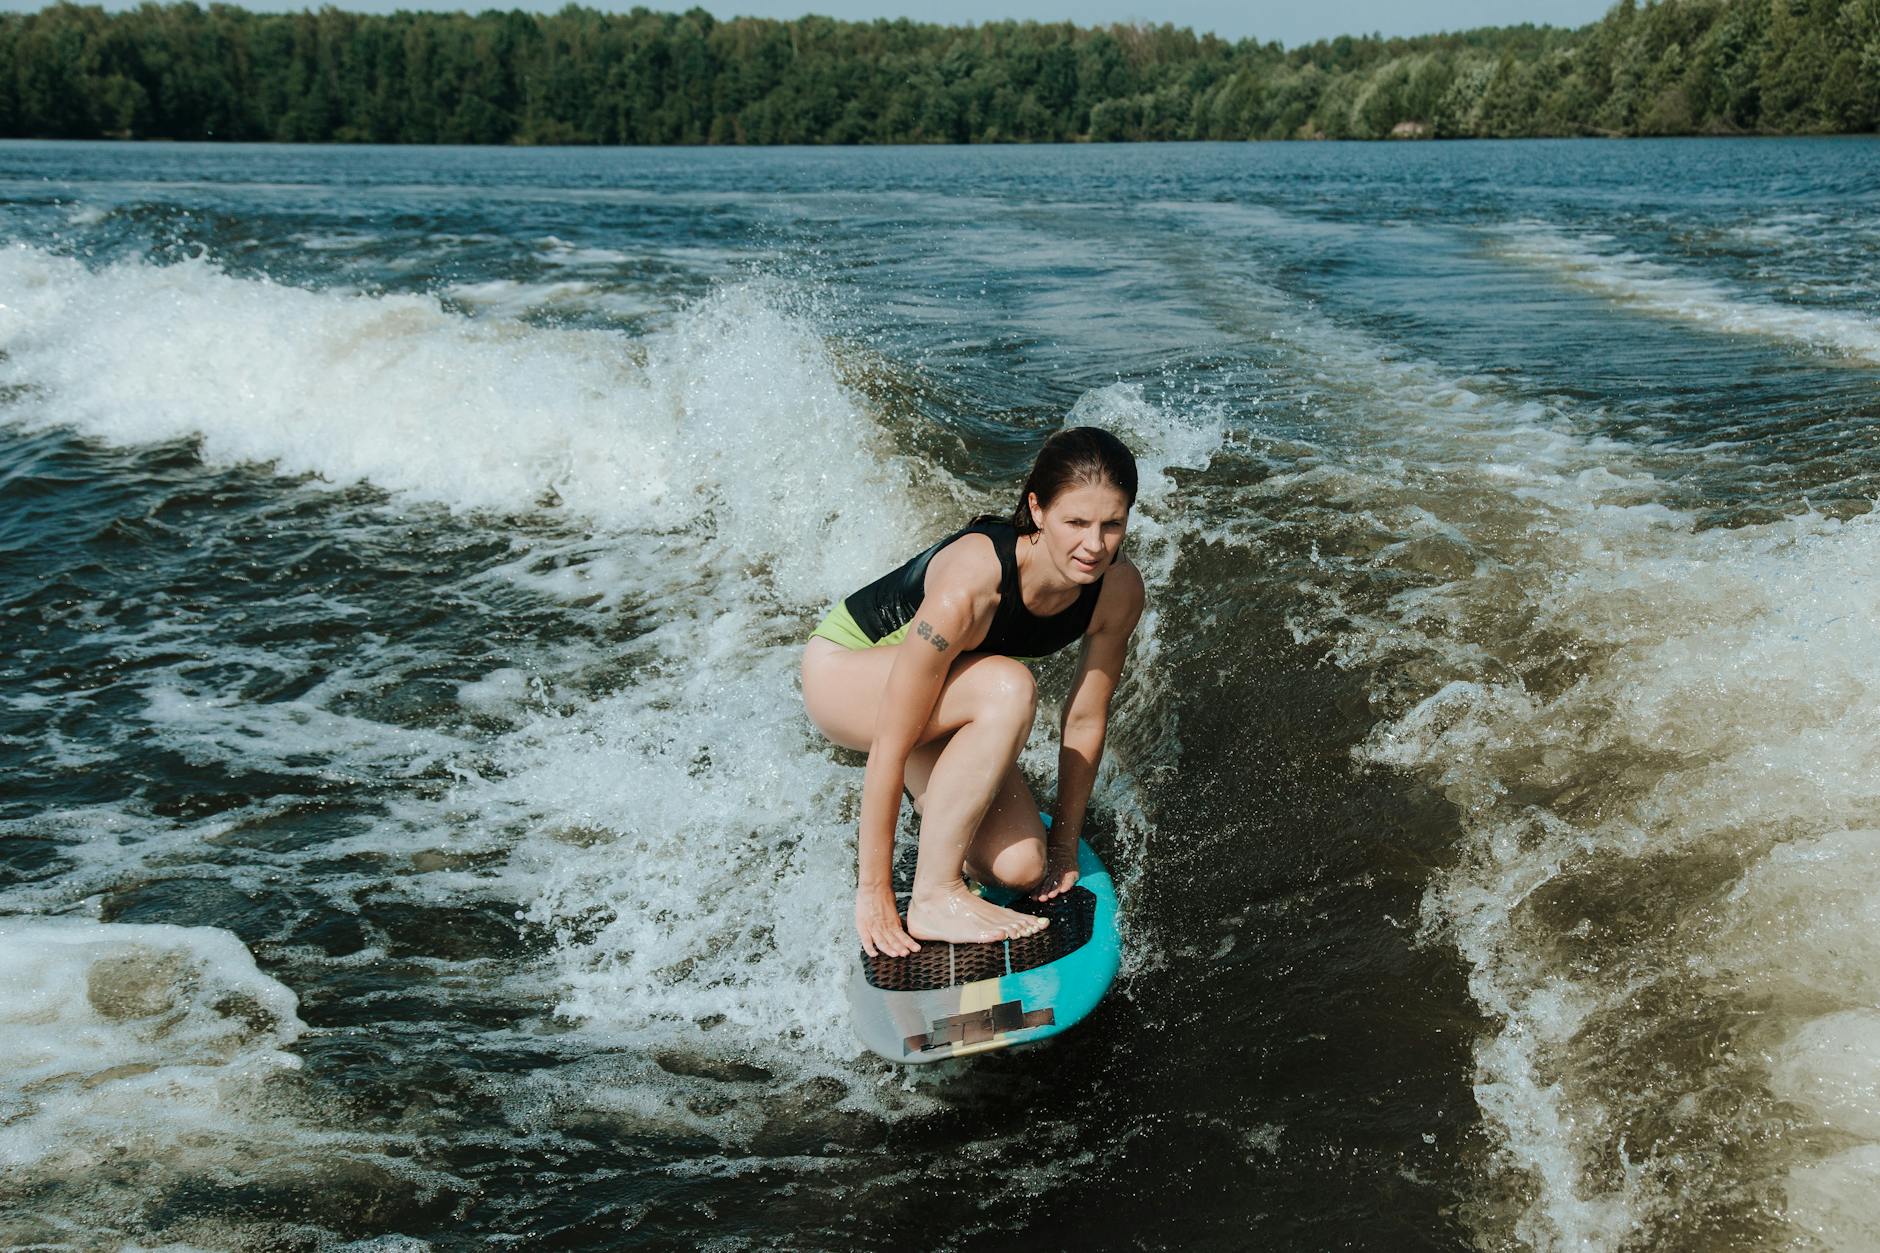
(1082, 530)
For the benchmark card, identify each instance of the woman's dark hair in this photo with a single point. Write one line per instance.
(1077, 456)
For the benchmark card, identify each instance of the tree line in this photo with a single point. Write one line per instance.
(180, 71)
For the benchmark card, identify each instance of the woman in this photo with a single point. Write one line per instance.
(924, 670)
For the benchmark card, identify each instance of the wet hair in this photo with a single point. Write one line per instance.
(1077, 456)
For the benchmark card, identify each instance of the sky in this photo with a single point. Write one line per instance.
(1287, 21)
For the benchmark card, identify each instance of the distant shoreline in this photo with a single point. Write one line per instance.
(641, 79)
(522, 146)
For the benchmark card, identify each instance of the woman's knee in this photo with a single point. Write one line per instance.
(1020, 865)
(1008, 689)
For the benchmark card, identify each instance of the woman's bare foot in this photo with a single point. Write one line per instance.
(958, 917)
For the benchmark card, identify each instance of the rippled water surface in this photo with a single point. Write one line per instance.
(412, 838)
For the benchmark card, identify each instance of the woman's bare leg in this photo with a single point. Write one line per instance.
(1009, 849)
(960, 790)
(983, 714)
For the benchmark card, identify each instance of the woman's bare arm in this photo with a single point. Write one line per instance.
(1100, 666)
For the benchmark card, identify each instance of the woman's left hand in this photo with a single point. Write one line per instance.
(1059, 876)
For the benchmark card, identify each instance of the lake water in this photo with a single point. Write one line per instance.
(412, 838)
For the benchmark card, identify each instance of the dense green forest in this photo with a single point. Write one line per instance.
(579, 76)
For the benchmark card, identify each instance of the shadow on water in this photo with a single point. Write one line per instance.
(1287, 1067)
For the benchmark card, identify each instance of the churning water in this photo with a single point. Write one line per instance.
(412, 837)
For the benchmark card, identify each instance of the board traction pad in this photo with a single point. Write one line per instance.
(942, 965)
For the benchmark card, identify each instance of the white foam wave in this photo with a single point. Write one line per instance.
(1831, 1201)
(1782, 232)
(1650, 734)
(144, 1063)
(557, 251)
(1711, 713)
(346, 242)
(733, 418)
(512, 298)
(174, 974)
(300, 736)
(1664, 290)
(99, 1021)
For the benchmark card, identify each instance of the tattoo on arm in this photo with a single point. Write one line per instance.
(932, 636)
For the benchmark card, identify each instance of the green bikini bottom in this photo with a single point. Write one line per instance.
(840, 626)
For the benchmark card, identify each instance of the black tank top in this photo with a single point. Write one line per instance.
(887, 605)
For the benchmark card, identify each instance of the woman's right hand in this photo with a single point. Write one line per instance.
(878, 922)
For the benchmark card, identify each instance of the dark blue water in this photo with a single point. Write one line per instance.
(412, 836)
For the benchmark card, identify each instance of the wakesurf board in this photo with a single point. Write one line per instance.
(956, 1000)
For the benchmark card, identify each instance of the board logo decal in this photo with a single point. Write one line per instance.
(979, 1025)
